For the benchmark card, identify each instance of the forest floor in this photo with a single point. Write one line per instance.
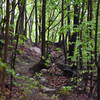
(41, 86)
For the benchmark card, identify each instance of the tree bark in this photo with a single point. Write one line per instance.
(74, 36)
(36, 23)
(6, 31)
(63, 37)
(43, 27)
(80, 47)
(21, 6)
(96, 62)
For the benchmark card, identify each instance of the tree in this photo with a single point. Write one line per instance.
(96, 56)
(21, 6)
(75, 33)
(36, 23)
(2, 71)
(80, 47)
(43, 28)
(62, 34)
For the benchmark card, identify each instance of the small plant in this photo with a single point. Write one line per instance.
(2, 64)
(47, 62)
(58, 49)
(65, 90)
(54, 97)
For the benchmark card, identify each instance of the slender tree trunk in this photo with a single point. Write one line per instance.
(2, 24)
(96, 62)
(40, 22)
(36, 23)
(25, 29)
(62, 24)
(30, 29)
(12, 21)
(80, 47)
(43, 27)
(68, 22)
(13, 14)
(6, 31)
(48, 36)
(21, 6)
(2, 72)
(90, 34)
(74, 36)
(98, 79)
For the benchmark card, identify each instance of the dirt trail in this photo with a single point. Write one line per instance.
(24, 62)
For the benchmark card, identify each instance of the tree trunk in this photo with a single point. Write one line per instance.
(6, 31)
(68, 22)
(21, 6)
(43, 27)
(80, 47)
(74, 36)
(2, 71)
(96, 62)
(36, 23)
(62, 24)
(12, 21)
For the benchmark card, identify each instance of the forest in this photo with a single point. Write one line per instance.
(49, 50)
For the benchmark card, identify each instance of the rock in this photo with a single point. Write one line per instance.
(36, 49)
(43, 80)
(48, 90)
(44, 71)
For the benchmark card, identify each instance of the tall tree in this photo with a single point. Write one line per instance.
(96, 62)
(80, 35)
(13, 13)
(36, 23)
(21, 6)
(68, 21)
(89, 18)
(43, 27)
(13, 6)
(40, 21)
(63, 37)
(75, 33)
(6, 30)
(3, 72)
(2, 24)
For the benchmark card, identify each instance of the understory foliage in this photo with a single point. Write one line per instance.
(63, 36)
